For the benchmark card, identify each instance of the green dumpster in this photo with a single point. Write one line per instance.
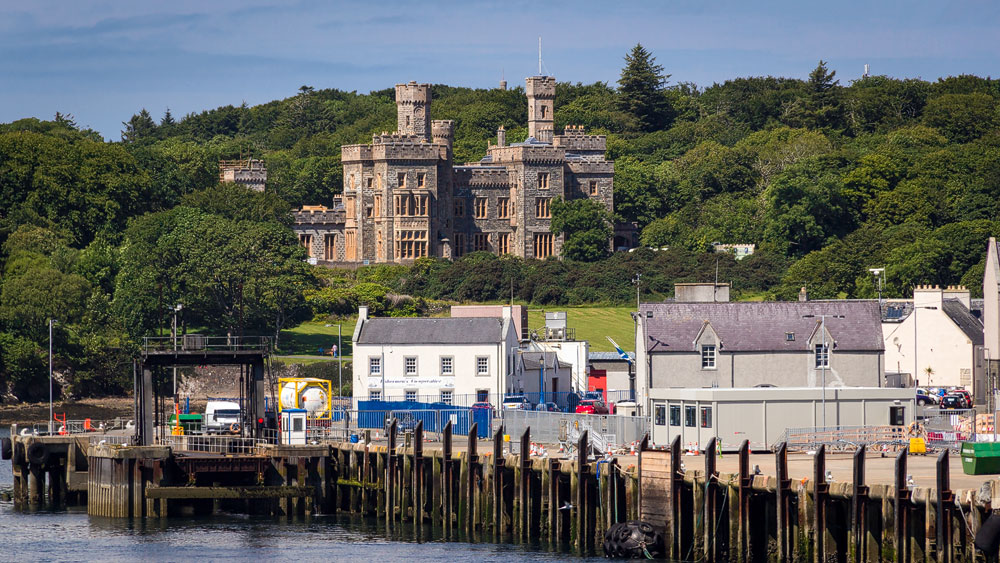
(190, 422)
(980, 458)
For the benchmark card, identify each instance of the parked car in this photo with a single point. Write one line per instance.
(592, 406)
(953, 401)
(966, 396)
(924, 398)
(516, 402)
(548, 406)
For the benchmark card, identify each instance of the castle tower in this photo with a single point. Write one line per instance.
(541, 92)
(443, 133)
(413, 109)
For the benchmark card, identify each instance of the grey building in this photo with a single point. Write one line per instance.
(780, 344)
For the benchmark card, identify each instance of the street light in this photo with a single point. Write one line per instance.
(826, 354)
(879, 274)
(52, 323)
(176, 309)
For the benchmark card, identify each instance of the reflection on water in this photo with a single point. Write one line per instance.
(74, 536)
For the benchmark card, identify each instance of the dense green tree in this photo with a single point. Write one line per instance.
(641, 90)
(586, 228)
(140, 127)
(962, 117)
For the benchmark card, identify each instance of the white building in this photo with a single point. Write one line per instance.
(451, 360)
(935, 340)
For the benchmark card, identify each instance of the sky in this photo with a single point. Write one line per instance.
(104, 60)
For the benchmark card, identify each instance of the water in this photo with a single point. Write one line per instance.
(74, 536)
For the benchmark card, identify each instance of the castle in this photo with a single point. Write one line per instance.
(404, 198)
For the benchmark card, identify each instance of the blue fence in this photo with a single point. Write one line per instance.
(374, 414)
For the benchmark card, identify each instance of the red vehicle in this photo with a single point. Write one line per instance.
(592, 406)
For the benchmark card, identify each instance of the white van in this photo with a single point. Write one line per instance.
(222, 417)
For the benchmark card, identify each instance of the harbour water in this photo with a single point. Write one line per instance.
(74, 536)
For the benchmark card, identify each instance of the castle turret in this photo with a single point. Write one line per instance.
(541, 92)
(443, 133)
(413, 109)
(501, 137)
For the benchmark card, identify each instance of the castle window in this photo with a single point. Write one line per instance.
(481, 207)
(543, 180)
(421, 180)
(306, 241)
(351, 245)
(543, 245)
(369, 183)
(459, 250)
(330, 247)
(481, 242)
(593, 187)
(542, 208)
(503, 243)
(378, 206)
(379, 178)
(543, 111)
(503, 208)
(411, 245)
(402, 180)
(459, 208)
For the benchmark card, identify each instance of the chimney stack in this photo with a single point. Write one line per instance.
(803, 295)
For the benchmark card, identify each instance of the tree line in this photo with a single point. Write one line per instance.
(827, 177)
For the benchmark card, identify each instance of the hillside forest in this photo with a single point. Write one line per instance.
(827, 176)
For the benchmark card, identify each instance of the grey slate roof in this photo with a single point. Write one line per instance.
(964, 319)
(608, 356)
(431, 330)
(762, 327)
(533, 360)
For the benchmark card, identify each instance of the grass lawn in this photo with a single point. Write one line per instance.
(594, 324)
(307, 338)
(591, 323)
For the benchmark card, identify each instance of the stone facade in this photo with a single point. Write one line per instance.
(248, 172)
(404, 198)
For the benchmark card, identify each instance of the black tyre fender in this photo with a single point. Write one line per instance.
(38, 453)
(17, 456)
(6, 448)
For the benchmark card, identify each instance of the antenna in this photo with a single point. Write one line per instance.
(539, 55)
(866, 71)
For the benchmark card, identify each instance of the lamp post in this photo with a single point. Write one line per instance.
(915, 348)
(176, 309)
(826, 354)
(52, 323)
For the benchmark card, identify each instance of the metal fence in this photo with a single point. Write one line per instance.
(606, 432)
(214, 444)
(564, 401)
(841, 438)
(200, 342)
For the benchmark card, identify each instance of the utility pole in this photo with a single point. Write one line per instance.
(51, 323)
(635, 280)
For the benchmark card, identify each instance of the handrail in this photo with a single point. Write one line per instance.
(202, 343)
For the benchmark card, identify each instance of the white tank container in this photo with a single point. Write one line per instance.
(310, 397)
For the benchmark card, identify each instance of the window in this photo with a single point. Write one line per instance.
(411, 205)
(482, 395)
(421, 180)
(503, 208)
(708, 356)
(482, 365)
(542, 208)
(897, 416)
(306, 241)
(822, 356)
(330, 247)
(459, 208)
(593, 187)
(543, 180)
(411, 244)
(480, 207)
(446, 397)
(369, 183)
(481, 242)
(411, 396)
(410, 365)
(447, 365)
(402, 180)
(661, 415)
(350, 244)
(374, 365)
(374, 395)
(675, 415)
(543, 245)
(503, 243)
(378, 206)
(789, 337)
(706, 417)
(543, 111)
(459, 245)
(690, 416)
